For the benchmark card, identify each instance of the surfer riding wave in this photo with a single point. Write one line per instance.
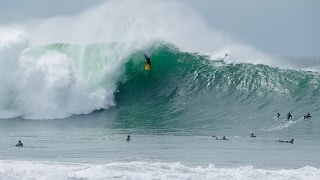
(147, 65)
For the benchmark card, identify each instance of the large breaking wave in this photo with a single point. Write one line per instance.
(62, 66)
(60, 80)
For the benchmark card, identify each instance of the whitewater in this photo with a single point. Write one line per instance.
(73, 87)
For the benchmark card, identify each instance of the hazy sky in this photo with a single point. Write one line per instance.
(280, 27)
(284, 27)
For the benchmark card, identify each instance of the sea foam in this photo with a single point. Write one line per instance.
(145, 170)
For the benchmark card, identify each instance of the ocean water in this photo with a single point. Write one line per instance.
(73, 99)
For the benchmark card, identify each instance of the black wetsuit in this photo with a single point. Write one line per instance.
(223, 138)
(148, 59)
(19, 144)
(307, 116)
(286, 141)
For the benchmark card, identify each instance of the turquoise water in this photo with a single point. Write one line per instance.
(170, 112)
(99, 138)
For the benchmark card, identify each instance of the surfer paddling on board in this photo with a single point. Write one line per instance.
(307, 116)
(291, 141)
(223, 138)
(147, 65)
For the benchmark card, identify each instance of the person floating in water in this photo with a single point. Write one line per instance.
(128, 138)
(252, 135)
(223, 138)
(19, 144)
(289, 116)
(278, 115)
(307, 116)
(291, 141)
(215, 137)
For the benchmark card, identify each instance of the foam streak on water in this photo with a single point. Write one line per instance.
(145, 170)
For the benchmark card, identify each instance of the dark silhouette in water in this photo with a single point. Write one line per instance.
(307, 116)
(128, 138)
(148, 59)
(223, 138)
(289, 116)
(216, 137)
(19, 144)
(291, 141)
(278, 115)
(252, 135)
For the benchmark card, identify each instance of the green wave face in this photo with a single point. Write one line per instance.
(190, 90)
(181, 90)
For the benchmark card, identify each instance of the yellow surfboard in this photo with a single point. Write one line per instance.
(147, 66)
